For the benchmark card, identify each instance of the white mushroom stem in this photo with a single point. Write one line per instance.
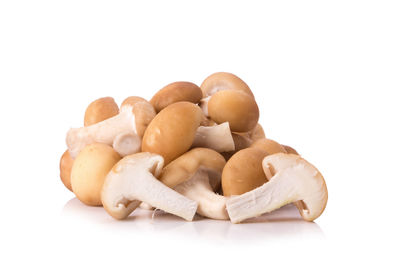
(218, 137)
(132, 179)
(198, 188)
(146, 206)
(204, 104)
(127, 143)
(298, 182)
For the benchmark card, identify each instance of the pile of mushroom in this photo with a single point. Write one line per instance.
(189, 150)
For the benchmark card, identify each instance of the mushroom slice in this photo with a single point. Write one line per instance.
(197, 175)
(218, 137)
(132, 118)
(133, 180)
(291, 179)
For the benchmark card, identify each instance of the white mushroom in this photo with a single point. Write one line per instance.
(218, 137)
(291, 179)
(133, 180)
(127, 143)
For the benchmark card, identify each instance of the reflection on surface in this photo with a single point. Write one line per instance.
(285, 222)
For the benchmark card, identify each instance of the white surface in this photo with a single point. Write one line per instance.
(326, 77)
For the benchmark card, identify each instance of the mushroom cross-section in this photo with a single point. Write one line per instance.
(133, 180)
(196, 175)
(291, 179)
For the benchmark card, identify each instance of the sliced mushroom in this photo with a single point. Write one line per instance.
(176, 92)
(292, 179)
(218, 137)
(243, 172)
(197, 175)
(100, 110)
(172, 131)
(133, 118)
(133, 180)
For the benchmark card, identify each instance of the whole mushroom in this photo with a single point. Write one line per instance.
(100, 110)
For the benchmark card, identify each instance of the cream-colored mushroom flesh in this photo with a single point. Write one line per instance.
(133, 180)
(196, 175)
(127, 143)
(291, 179)
(218, 137)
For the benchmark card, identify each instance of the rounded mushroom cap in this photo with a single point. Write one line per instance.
(311, 188)
(144, 112)
(268, 145)
(290, 150)
(223, 81)
(90, 168)
(66, 163)
(257, 133)
(176, 92)
(243, 172)
(185, 166)
(235, 107)
(172, 131)
(100, 110)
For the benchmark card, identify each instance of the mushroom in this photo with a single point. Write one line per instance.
(176, 92)
(196, 175)
(172, 131)
(133, 118)
(243, 172)
(133, 180)
(66, 163)
(240, 142)
(89, 171)
(255, 134)
(292, 179)
(100, 110)
(226, 98)
(218, 137)
(290, 150)
(268, 145)
(127, 143)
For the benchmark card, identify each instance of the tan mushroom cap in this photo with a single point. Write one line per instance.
(223, 81)
(243, 172)
(257, 133)
(184, 167)
(89, 171)
(176, 92)
(142, 109)
(268, 145)
(172, 131)
(290, 150)
(99, 110)
(66, 163)
(235, 107)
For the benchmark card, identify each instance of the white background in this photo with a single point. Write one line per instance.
(326, 76)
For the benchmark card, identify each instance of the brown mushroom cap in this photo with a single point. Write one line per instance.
(89, 171)
(268, 145)
(223, 81)
(290, 150)
(185, 166)
(66, 163)
(241, 142)
(100, 110)
(172, 131)
(142, 109)
(243, 172)
(235, 107)
(176, 92)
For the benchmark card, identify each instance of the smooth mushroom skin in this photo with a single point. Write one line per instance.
(144, 112)
(223, 81)
(66, 163)
(197, 175)
(176, 92)
(89, 171)
(127, 143)
(268, 145)
(291, 179)
(133, 180)
(218, 137)
(235, 107)
(257, 133)
(172, 131)
(240, 141)
(133, 118)
(100, 110)
(290, 150)
(243, 172)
